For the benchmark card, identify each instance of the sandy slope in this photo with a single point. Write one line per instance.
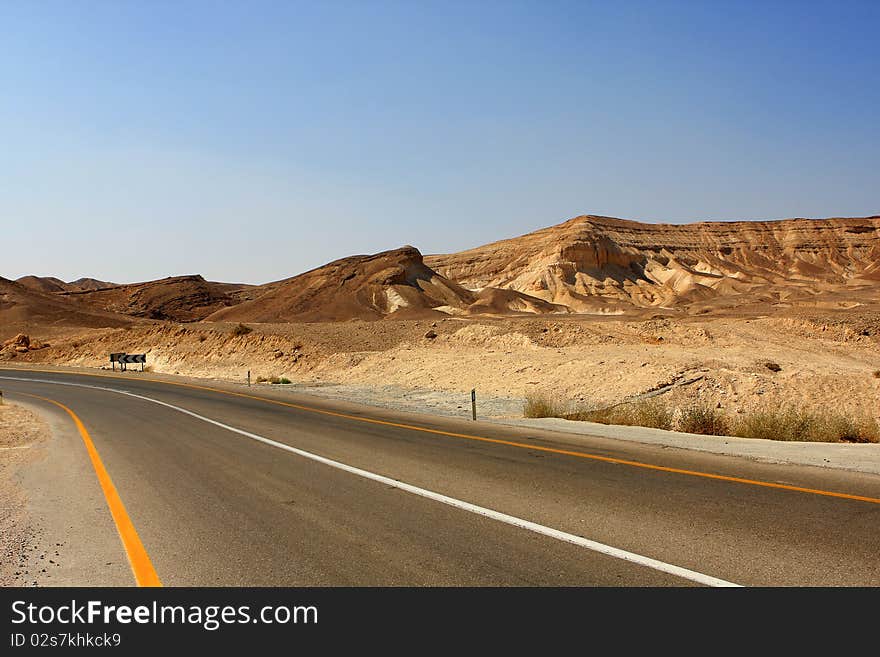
(826, 358)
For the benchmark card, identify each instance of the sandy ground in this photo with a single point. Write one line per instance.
(824, 361)
(23, 561)
(815, 358)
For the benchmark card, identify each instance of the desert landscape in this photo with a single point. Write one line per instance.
(730, 318)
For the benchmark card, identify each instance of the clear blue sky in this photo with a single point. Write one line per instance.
(250, 141)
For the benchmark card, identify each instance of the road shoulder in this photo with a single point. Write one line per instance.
(55, 529)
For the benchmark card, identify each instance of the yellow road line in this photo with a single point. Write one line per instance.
(497, 441)
(141, 566)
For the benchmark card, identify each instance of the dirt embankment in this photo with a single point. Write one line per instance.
(734, 363)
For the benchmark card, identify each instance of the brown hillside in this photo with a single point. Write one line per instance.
(177, 298)
(600, 264)
(358, 287)
(25, 310)
(43, 283)
(388, 284)
(52, 284)
(89, 284)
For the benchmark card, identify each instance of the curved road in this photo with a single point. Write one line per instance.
(228, 485)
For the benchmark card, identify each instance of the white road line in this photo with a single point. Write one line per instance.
(580, 541)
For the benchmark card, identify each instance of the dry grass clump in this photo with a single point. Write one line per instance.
(542, 405)
(777, 424)
(703, 419)
(641, 413)
(768, 423)
(273, 379)
(813, 426)
(876, 374)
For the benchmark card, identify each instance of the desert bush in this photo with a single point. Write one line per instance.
(541, 405)
(261, 379)
(702, 418)
(641, 413)
(202, 337)
(241, 329)
(282, 380)
(767, 423)
(877, 374)
(799, 424)
(843, 429)
(776, 424)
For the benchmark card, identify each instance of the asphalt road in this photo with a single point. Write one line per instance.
(214, 506)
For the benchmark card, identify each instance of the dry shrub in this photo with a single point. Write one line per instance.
(703, 419)
(768, 423)
(842, 429)
(776, 424)
(641, 413)
(812, 426)
(541, 405)
(241, 329)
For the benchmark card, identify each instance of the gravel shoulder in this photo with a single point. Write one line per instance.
(23, 438)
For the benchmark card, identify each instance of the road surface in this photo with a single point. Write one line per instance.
(253, 487)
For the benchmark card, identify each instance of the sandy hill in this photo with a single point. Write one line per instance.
(23, 309)
(392, 283)
(601, 264)
(176, 298)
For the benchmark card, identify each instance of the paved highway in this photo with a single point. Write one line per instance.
(194, 485)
